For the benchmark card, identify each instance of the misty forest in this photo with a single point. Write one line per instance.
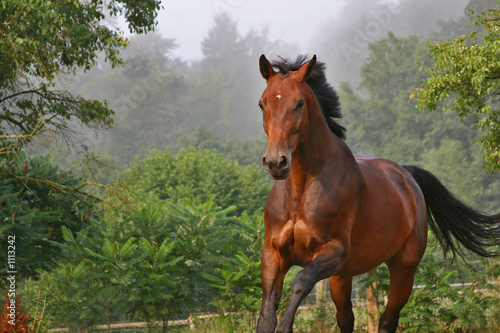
(132, 180)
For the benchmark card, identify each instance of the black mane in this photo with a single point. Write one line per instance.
(325, 94)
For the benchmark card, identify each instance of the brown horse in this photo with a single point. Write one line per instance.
(339, 215)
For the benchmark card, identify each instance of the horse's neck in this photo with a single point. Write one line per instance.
(319, 152)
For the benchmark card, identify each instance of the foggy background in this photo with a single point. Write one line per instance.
(338, 31)
(195, 81)
(222, 40)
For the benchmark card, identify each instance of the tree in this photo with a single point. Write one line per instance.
(236, 279)
(161, 289)
(44, 41)
(344, 43)
(148, 96)
(229, 85)
(465, 77)
(34, 212)
(461, 25)
(159, 99)
(385, 123)
(386, 119)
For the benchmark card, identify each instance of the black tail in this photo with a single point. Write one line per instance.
(449, 217)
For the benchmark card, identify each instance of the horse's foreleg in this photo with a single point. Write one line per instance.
(327, 262)
(340, 290)
(273, 273)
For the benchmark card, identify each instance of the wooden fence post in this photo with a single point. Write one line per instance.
(372, 307)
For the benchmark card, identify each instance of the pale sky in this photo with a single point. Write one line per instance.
(188, 21)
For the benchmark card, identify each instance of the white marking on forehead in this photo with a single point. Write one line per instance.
(279, 96)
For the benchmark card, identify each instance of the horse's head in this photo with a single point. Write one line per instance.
(284, 111)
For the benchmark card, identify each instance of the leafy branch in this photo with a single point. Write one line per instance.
(465, 79)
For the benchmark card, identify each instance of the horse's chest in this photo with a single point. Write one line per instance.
(297, 241)
(303, 229)
(300, 224)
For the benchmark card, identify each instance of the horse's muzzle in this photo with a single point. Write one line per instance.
(278, 167)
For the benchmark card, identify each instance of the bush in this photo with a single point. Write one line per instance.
(200, 173)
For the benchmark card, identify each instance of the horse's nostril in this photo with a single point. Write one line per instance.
(264, 163)
(283, 162)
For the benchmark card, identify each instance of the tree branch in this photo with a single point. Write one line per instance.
(55, 185)
(19, 137)
(20, 93)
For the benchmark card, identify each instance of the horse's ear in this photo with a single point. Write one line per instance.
(306, 70)
(266, 69)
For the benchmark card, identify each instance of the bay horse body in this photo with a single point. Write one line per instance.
(339, 215)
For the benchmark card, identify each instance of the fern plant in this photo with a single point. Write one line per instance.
(448, 298)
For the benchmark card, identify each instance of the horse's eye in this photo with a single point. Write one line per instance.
(261, 106)
(300, 104)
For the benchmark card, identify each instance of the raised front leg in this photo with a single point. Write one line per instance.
(273, 273)
(328, 261)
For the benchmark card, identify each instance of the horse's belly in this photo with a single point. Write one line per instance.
(374, 245)
(356, 265)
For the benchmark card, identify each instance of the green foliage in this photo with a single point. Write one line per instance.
(465, 78)
(200, 173)
(385, 123)
(157, 281)
(34, 212)
(246, 152)
(200, 226)
(44, 40)
(41, 43)
(160, 99)
(38, 32)
(223, 253)
(153, 265)
(237, 281)
(440, 302)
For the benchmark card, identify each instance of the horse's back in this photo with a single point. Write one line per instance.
(385, 175)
